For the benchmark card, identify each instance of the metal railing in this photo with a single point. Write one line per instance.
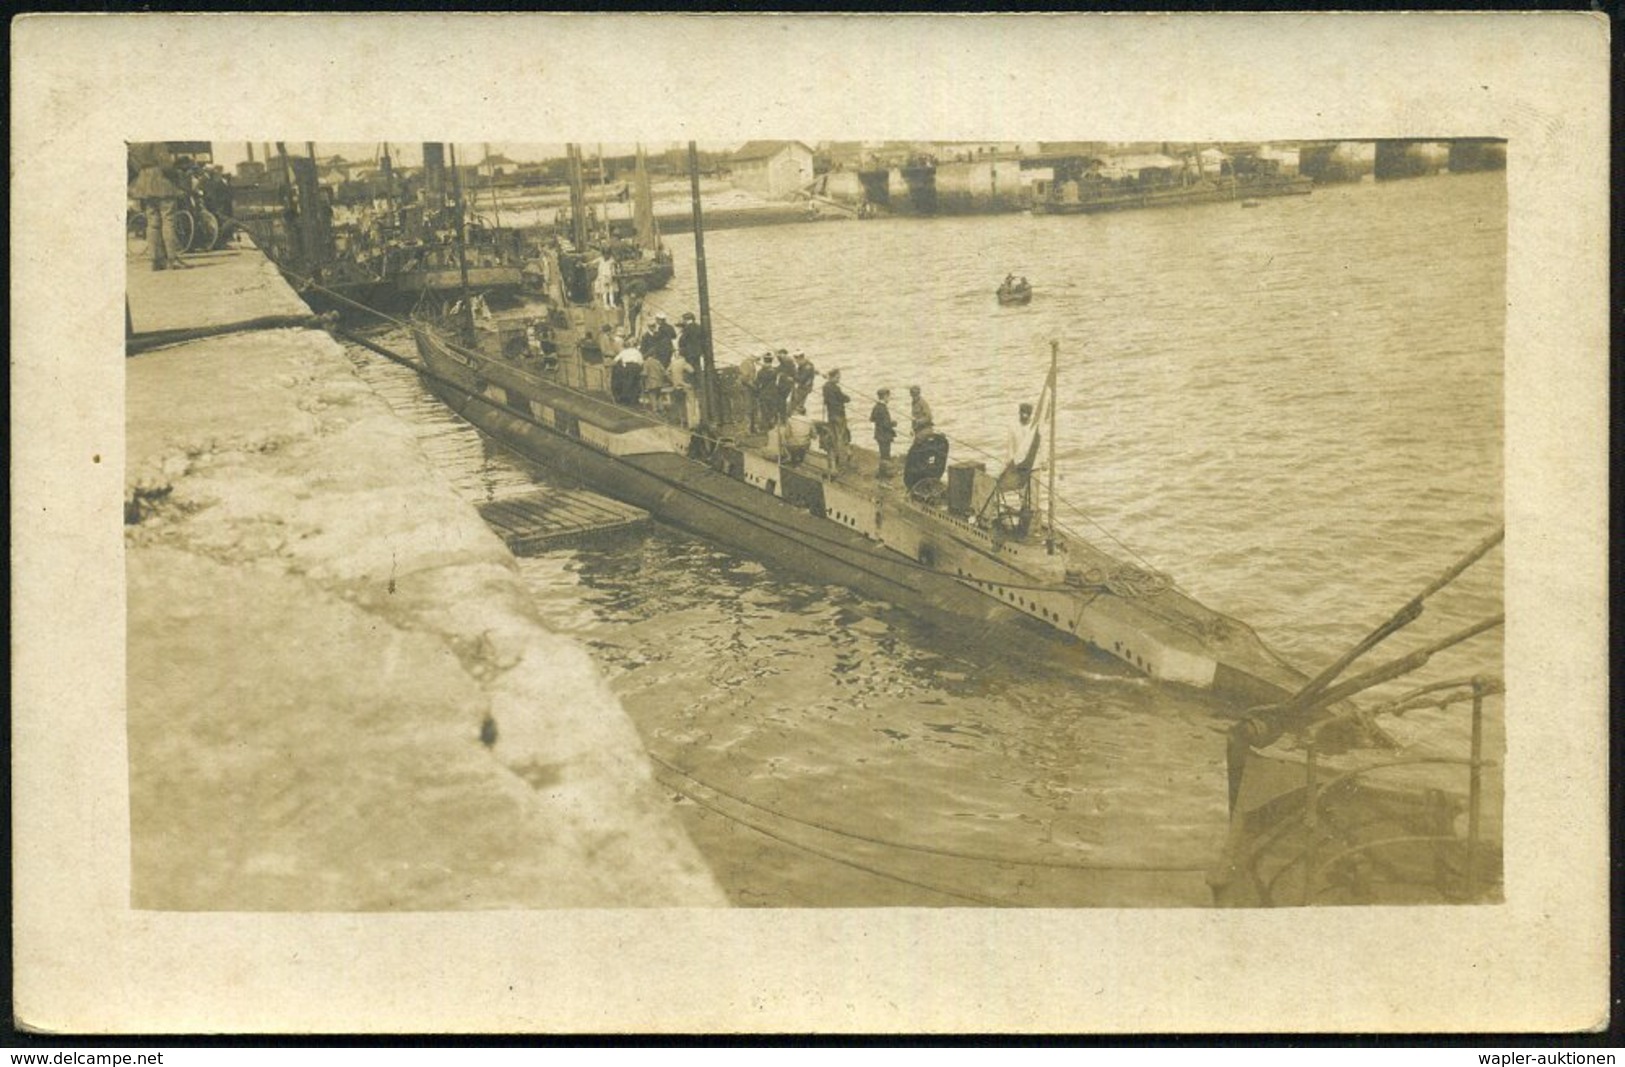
(1313, 821)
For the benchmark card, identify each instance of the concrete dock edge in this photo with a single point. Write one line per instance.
(340, 697)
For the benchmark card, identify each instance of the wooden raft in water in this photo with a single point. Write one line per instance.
(546, 518)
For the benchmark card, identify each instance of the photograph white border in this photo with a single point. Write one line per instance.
(84, 85)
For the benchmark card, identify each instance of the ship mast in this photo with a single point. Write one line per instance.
(578, 199)
(643, 210)
(1049, 496)
(603, 200)
(491, 188)
(462, 252)
(386, 168)
(708, 387)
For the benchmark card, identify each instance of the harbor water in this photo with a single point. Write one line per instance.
(1295, 410)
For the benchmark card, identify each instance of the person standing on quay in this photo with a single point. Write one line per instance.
(217, 198)
(919, 413)
(158, 196)
(885, 429)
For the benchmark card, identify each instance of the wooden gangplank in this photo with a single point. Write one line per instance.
(536, 521)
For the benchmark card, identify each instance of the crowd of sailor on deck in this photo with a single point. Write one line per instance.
(779, 396)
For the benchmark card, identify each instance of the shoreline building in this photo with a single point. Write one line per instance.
(772, 169)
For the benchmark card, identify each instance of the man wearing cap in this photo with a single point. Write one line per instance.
(885, 428)
(690, 341)
(919, 412)
(806, 375)
(835, 400)
(767, 393)
(661, 337)
(787, 381)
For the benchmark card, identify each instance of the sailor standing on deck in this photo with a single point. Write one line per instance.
(685, 401)
(690, 341)
(784, 382)
(661, 338)
(656, 385)
(835, 400)
(767, 392)
(626, 376)
(747, 379)
(919, 413)
(885, 429)
(806, 383)
(812, 409)
(1021, 442)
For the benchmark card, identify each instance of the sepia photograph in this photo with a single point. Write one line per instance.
(1062, 524)
(868, 550)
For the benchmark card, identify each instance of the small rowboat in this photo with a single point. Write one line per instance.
(1020, 293)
